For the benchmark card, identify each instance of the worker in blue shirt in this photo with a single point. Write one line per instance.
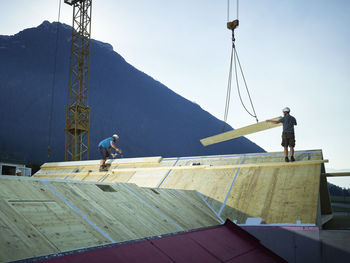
(104, 148)
(288, 136)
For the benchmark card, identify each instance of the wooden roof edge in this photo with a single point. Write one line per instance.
(241, 154)
(157, 159)
(210, 167)
(138, 160)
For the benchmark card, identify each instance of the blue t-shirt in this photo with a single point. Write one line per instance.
(106, 143)
(288, 123)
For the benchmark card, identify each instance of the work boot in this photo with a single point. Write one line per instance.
(103, 168)
(292, 159)
(286, 159)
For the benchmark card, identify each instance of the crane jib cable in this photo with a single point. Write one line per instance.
(246, 86)
(53, 83)
(233, 61)
(228, 9)
(228, 92)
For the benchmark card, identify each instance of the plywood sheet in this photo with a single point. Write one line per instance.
(178, 208)
(117, 177)
(276, 195)
(62, 223)
(121, 213)
(279, 157)
(39, 217)
(94, 177)
(213, 186)
(22, 189)
(54, 170)
(148, 178)
(213, 176)
(128, 208)
(261, 126)
(80, 171)
(18, 238)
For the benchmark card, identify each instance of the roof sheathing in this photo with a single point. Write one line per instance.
(235, 186)
(44, 216)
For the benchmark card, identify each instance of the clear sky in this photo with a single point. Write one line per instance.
(294, 53)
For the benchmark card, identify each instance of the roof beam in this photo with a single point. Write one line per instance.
(337, 174)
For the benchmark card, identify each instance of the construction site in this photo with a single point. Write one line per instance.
(70, 208)
(248, 207)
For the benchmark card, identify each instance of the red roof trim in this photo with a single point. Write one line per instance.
(224, 243)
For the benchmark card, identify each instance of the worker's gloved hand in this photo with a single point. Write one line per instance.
(120, 151)
(114, 155)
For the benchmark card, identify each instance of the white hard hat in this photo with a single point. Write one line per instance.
(286, 109)
(116, 136)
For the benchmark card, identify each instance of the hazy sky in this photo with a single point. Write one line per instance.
(294, 53)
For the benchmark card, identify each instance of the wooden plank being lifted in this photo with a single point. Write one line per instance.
(221, 137)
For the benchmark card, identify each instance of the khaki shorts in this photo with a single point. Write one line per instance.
(288, 139)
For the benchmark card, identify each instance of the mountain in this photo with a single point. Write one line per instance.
(335, 190)
(150, 118)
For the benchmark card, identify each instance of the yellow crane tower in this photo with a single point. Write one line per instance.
(78, 111)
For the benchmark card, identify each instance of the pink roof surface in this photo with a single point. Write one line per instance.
(224, 243)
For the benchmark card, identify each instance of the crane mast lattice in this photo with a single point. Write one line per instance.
(78, 112)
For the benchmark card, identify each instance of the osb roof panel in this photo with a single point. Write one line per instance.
(39, 217)
(235, 186)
